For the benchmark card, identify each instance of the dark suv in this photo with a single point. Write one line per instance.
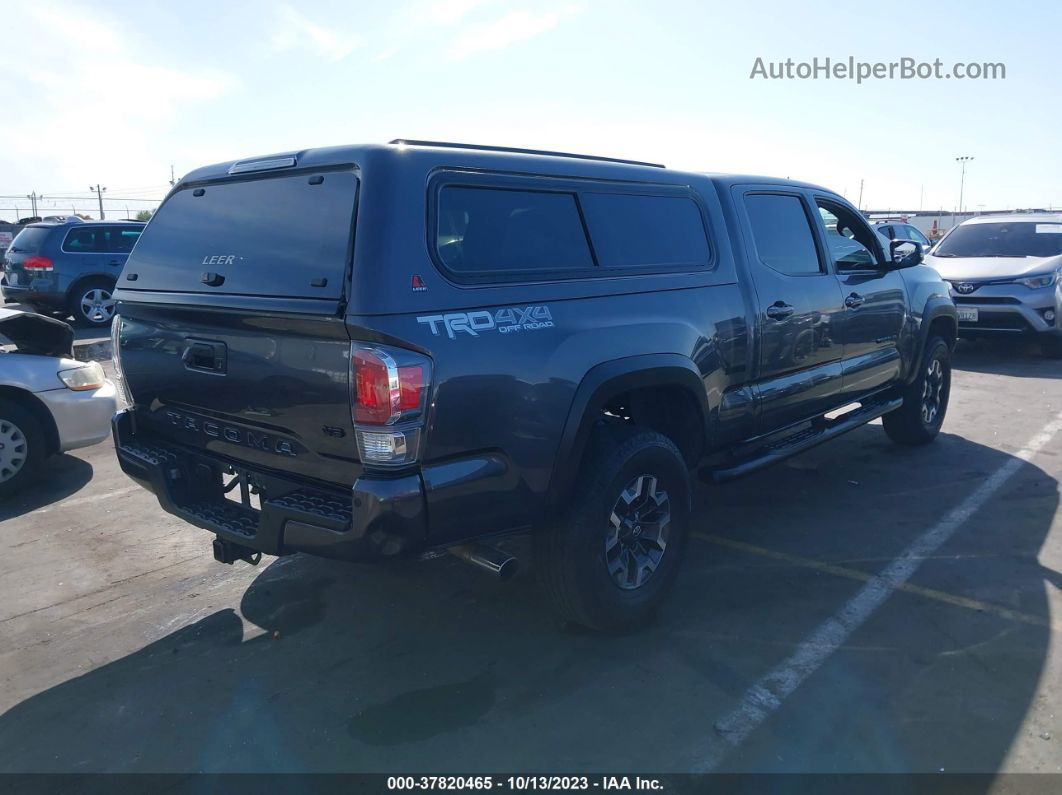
(373, 351)
(68, 265)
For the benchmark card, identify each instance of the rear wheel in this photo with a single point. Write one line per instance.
(610, 561)
(925, 400)
(92, 303)
(21, 447)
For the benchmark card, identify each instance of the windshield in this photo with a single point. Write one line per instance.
(1004, 239)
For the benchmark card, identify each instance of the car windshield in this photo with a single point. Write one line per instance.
(1003, 239)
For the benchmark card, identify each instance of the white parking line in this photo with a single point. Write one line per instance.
(768, 694)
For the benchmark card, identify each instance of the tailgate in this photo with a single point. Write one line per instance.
(254, 387)
(231, 335)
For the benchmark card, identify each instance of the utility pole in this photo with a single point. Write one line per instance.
(99, 194)
(859, 204)
(962, 178)
(921, 195)
(173, 181)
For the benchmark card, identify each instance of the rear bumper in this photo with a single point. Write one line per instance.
(40, 292)
(379, 517)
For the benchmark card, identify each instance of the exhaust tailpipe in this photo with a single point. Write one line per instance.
(500, 564)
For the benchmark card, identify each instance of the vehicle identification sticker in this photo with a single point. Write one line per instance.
(508, 320)
(1049, 229)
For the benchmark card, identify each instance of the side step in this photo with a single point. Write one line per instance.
(822, 430)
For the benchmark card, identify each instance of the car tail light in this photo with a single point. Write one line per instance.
(37, 264)
(389, 396)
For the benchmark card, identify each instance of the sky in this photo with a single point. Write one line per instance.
(114, 93)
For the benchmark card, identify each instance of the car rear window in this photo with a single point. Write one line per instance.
(30, 240)
(280, 236)
(505, 233)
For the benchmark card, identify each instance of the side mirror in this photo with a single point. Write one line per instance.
(906, 253)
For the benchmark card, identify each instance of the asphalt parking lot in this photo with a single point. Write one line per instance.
(125, 647)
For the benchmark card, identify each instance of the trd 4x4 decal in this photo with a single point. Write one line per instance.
(504, 321)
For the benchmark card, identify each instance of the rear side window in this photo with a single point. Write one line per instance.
(29, 241)
(505, 233)
(101, 239)
(119, 240)
(631, 231)
(80, 240)
(491, 230)
(782, 234)
(279, 236)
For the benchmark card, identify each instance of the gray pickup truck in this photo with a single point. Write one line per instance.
(372, 351)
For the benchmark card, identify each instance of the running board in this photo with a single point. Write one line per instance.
(822, 430)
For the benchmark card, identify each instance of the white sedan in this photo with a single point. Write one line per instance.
(49, 402)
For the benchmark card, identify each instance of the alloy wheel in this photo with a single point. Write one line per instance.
(932, 391)
(637, 532)
(97, 305)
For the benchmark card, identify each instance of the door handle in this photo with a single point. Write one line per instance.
(854, 300)
(779, 311)
(115, 262)
(205, 355)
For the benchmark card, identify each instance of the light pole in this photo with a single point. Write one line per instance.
(34, 198)
(99, 194)
(962, 178)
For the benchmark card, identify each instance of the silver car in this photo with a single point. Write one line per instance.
(49, 402)
(1005, 279)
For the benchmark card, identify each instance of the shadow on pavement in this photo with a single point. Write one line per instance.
(1019, 358)
(417, 667)
(63, 475)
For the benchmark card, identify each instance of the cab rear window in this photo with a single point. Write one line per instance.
(279, 236)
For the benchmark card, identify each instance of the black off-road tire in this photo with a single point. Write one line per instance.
(24, 442)
(916, 422)
(570, 554)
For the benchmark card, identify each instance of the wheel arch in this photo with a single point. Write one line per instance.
(33, 404)
(84, 278)
(939, 318)
(672, 374)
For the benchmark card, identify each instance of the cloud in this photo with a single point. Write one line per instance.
(449, 12)
(515, 26)
(294, 30)
(95, 102)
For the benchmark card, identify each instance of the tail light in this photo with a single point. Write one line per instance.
(389, 396)
(37, 264)
(116, 360)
